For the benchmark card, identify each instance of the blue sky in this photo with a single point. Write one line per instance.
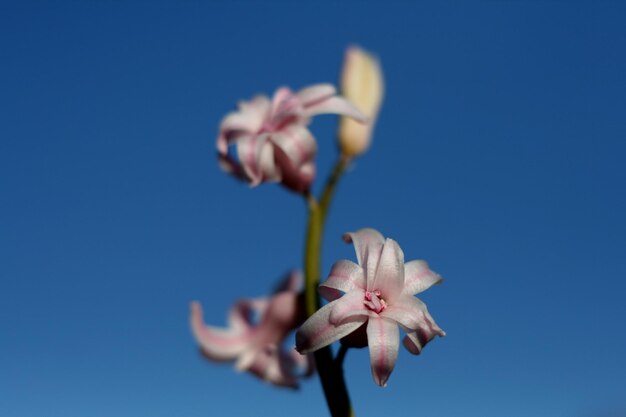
(498, 157)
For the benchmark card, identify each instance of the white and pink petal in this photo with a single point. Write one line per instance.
(344, 276)
(317, 332)
(389, 275)
(383, 339)
(419, 277)
(217, 344)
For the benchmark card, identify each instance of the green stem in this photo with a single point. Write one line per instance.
(330, 372)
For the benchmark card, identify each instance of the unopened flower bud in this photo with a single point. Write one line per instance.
(361, 84)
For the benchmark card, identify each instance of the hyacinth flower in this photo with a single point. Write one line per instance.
(272, 141)
(370, 302)
(255, 333)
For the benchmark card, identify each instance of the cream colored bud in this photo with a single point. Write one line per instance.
(361, 84)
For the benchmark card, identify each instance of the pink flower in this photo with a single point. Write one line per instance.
(272, 139)
(256, 330)
(375, 296)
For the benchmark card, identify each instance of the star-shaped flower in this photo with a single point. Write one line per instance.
(377, 294)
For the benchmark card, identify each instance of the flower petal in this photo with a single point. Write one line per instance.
(316, 93)
(297, 143)
(266, 163)
(248, 151)
(295, 177)
(344, 276)
(408, 311)
(318, 332)
(383, 338)
(349, 307)
(335, 105)
(415, 341)
(217, 344)
(292, 282)
(418, 277)
(389, 276)
(248, 120)
(368, 244)
(270, 365)
(241, 315)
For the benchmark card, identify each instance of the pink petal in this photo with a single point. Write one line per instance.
(271, 365)
(418, 277)
(349, 307)
(248, 150)
(408, 311)
(415, 341)
(344, 276)
(316, 93)
(383, 338)
(368, 244)
(246, 359)
(294, 177)
(292, 282)
(242, 313)
(266, 162)
(305, 363)
(217, 344)
(389, 277)
(285, 107)
(335, 105)
(318, 332)
(247, 120)
(297, 143)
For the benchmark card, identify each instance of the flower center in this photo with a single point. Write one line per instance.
(374, 302)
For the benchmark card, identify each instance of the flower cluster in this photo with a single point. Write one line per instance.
(369, 302)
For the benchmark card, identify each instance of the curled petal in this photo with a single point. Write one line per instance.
(368, 244)
(248, 150)
(349, 307)
(248, 120)
(335, 105)
(318, 332)
(294, 177)
(266, 162)
(389, 276)
(418, 277)
(383, 338)
(344, 276)
(315, 94)
(297, 143)
(414, 341)
(408, 311)
(217, 344)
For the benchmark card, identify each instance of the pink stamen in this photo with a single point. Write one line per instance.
(374, 302)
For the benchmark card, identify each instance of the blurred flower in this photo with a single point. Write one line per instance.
(374, 297)
(272, 139)
(256, 330)
(361, 83)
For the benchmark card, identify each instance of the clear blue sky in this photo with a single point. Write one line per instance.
(498, 157)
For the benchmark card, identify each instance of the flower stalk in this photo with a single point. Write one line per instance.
(329, 370)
